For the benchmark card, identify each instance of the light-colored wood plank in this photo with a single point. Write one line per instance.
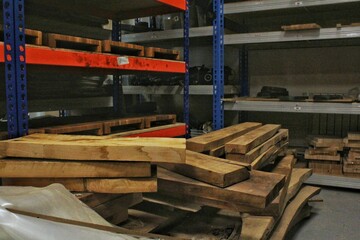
(97, 127)
(152, 52)
(256, 227)
(30, 168)
(251, 140)
(218, 138)
(249, 157)
(109, 124)
(209, 169)
(354, 136)
(320, 157)
(322, 151)
(298, 27)
(217, 152)
(89, 148)
(258, 191)
(292, 210)
(298, 177)
(167, 118)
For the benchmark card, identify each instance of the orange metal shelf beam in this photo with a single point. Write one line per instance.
(180, 4)
(68, 58)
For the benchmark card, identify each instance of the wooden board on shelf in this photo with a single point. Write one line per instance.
(95, 185)
(32, 168)
(31, 36)
(209, 169)
(54, 40)
(326, 167)
(323, 151)
(258, 191)
(354, 136)
(95, 148)
(322, 157)
(297, 27)
(351, 168)
(249, 157)
(327, 142)
(252, 139)
(122, 48)
(153, 52)
(108, 125)
(156, 119)
(353, 144)
(218, 138)
(96, 127)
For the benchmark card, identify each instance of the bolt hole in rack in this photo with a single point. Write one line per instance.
(80, 19)
(307, 61)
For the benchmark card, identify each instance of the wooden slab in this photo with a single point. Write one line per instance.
(122, 48)
(162, 53)
(297, 27)
(298, 177)
(30, 168)
(249, 157)
(167, 118)
(95, 199)
(104, 185)
(256, 227)
(110, 124)
(327, 141)
(96, 127)
(355, 136)
(89, 148)
(258, 191)
(269, 156)
(326, 167)
(251, 140)
(292, 210)
(71, 42)
(217, 152)
(353, 144)
(31, 36)
(322, 157)
(351, 168)
(218, 138)
(209, 169)
(322, 151)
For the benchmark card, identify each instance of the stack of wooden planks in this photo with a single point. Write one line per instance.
(324, 155)
(351, 164)
(87, 163)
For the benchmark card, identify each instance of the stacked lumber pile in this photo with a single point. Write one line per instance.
(270, 202)
(324, 155)
(90, 164)
(351, 164)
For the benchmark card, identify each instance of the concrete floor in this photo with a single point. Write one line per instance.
(337, 218)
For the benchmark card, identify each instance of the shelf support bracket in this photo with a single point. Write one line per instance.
(15, 68)
(218, 64)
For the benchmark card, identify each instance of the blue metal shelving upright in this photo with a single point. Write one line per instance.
(15, 68)
(218, 64)
(187, 75)
(116, 36)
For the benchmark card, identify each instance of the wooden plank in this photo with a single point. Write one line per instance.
(355, 136)
(97, 127)
(336, 158)
(270, 155)
(167, 118)
(153, 52)
(31, 36)
(258, 191)
(298, 177)
(353, 144)
(71, 42)
(209, 169)
(298, 27)
(292, 210)
(113, 229)
(95, 199)
(256, 227)
(89, 148)
(351, 168)
(109, 124)
(143, 222)
(322, 151)
(122, 48)
(327, 141)
(99, 185)
(30, 168)
(217, 152)
(251, 140)
(326, 167)
(249, 157)
(218, 138)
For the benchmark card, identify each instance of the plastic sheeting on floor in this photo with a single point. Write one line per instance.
(54, 201)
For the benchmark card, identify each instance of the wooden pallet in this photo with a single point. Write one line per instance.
(110, 125)
(71, 42)
(164, 118)
(96, 127)
(122, 48)
(34, 37)
(152, 52)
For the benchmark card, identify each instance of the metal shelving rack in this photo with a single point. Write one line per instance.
(17, 55)
(244, 40)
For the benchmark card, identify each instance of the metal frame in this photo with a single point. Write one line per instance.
(15, 68)
(187, 74)
(116, 36)
(218, 64)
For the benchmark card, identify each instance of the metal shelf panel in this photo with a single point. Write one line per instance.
(69, 58)
(256, 6)
(167, 35)
(173, 90)
(293, 36)
(334, 181)
(294, 107)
